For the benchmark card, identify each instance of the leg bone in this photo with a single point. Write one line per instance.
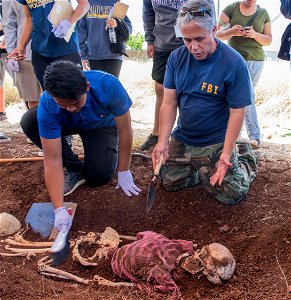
(102, 281)
(18, 250)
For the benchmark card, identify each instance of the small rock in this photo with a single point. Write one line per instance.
(235, 229)
(197, 296)
(225, 228)
(8, 224)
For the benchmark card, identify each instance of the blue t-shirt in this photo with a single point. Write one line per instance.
(206, 90)
(106, 99)
(43, 41)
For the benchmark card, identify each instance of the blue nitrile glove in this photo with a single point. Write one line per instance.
(13, 65)
(125, 181)
(63, 220)
(62, 29)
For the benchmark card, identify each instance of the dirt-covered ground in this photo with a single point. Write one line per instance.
(256, 231)
(259, 233)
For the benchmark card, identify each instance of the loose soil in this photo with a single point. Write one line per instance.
(257, 232)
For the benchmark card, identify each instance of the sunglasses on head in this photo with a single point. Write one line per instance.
(195, 13)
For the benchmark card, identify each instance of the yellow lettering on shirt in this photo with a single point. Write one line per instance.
(98, 11)
(37, 3)
(210, 88)
(204, 84)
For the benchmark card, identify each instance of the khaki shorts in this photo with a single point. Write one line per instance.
(26, 82)
(3, 68)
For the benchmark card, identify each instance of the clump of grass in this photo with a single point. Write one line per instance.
(273, 98)
(11, 93)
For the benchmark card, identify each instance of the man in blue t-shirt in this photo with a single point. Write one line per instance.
(94, 105)
(47, 42)
(210, 85)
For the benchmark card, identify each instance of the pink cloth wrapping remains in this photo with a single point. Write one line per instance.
(151, 259)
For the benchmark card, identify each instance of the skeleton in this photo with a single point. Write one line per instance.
(149, 262)
(154, 259)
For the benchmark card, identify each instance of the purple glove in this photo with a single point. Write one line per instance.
(13, 65)
(125, 181)
(62, 29)
(63, 220)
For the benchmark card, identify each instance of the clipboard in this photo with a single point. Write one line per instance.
(62, 9)
(119, 11)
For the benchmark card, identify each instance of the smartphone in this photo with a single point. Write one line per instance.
(247, 27)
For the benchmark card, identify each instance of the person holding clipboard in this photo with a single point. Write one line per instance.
(47, 42)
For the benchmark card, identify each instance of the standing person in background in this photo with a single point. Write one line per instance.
(162, 38)
(27, 84)
(47, 42)
(3, 137)
(286, 8)
(285, 49)
(249, 31)
(93, 32)
(3, 68)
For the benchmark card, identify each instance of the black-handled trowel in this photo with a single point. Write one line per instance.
(152, 186)
(60, 249)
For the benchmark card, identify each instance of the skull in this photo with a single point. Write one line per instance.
(218, 262)
(215, 260)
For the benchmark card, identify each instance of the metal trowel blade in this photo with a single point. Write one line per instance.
(151, 196)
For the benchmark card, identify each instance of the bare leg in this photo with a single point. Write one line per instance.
(159, 89)
(2, 99)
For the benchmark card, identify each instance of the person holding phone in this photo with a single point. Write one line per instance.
(249, 31)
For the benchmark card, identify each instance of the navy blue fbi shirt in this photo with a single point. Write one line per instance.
(206, 90)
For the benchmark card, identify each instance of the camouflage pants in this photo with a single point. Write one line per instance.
(187, 166)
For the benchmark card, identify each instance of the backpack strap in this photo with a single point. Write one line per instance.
(249, 23)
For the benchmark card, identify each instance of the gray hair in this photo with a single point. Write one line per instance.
(205, 22)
